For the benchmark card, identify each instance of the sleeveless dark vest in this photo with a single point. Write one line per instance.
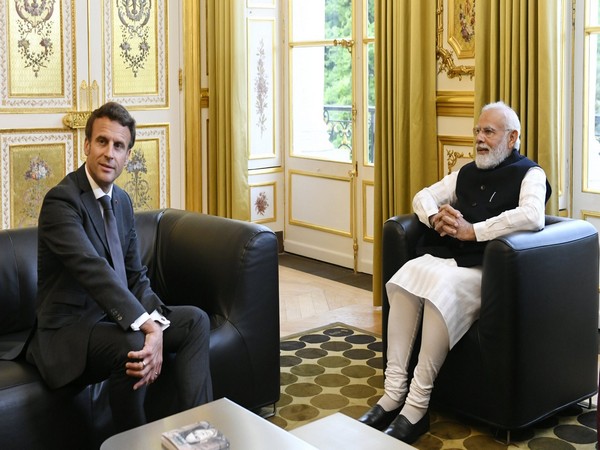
(481, 194)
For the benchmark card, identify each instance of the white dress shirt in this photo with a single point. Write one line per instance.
(456, 291)
(156, 316)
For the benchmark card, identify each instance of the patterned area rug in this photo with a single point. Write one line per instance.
(338, 368)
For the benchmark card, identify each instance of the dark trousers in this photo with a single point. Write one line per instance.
(187, 338)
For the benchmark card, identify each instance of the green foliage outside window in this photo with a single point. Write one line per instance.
(338, 61)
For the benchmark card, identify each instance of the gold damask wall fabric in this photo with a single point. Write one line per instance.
(405, 100)
(228, 191)
(517, 53)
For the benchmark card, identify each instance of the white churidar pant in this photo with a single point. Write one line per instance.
(449, 298)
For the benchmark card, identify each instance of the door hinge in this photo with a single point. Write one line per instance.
(180, 80)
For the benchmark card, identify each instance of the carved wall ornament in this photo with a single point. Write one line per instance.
(461, 38)
(454, 157)
(453, 153)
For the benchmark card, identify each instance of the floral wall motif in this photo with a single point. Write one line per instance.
(36, 54)
(138, 186)
(261, 84)
(136, 43)
(261, 88)
(135, 33)
(461, 27)
(145, 176)
(35, 30)
(263, 201)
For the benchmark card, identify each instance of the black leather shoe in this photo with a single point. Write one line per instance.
(402, 429)
(379, 418)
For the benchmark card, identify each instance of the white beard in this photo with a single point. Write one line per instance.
(494, 156)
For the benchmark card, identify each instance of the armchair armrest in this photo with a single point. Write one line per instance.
(399, 239)
(228, 268)
(539, 296)
(400, 236)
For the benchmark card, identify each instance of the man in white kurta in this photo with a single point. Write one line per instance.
(446, 291)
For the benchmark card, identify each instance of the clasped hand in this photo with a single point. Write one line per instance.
(449, 221)
(146, 363)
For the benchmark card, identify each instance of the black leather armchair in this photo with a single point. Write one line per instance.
(534, 349)
(228, 268)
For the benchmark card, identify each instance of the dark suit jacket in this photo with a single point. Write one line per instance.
(77, 286)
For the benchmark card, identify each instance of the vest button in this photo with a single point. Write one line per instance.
(474, 204)
(482, 187)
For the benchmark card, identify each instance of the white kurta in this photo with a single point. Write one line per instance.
(456, 291)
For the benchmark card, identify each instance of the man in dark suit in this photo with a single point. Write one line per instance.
(97, 316)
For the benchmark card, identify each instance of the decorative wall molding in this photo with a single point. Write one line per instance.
(455, 103)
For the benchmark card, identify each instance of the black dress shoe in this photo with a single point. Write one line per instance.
(402, 429)
(379, 418)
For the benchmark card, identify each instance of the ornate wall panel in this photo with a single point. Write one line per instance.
(136, 49)
(36, 55)
(145, 176)
(32, 162)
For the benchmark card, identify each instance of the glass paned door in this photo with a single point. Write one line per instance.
(329, 200)
(586, 114)
(322, 103)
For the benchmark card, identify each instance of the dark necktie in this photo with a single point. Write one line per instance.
(114, 244)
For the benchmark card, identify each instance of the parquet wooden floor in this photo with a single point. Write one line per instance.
(313, 294)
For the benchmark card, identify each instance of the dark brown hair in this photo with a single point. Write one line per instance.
(115, 112)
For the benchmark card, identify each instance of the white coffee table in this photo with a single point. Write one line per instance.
(244, 430)
(338, 431)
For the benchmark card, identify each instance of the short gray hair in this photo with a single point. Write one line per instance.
(511, 119)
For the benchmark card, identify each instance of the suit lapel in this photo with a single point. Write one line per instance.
(91, 205)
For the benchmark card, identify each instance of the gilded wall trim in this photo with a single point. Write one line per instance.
(366, 185)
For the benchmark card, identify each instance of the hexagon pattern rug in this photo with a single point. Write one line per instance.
(339, 368)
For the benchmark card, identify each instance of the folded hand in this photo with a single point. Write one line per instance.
(146, 363)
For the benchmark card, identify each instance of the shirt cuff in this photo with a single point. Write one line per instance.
(156, 316)
(479, 229)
